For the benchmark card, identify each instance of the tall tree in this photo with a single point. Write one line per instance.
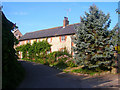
(93, 41)
(12, 71)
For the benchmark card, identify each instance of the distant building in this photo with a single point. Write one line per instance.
(17, 33)
(58, 37)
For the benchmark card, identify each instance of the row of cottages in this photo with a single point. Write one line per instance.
(58, 37)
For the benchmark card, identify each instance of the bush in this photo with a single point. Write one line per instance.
(46, 62)
(51, 58)
(62, 58)
(34, 51)
(71, 64)
(40, 61)
(61, 65)
(60, 53)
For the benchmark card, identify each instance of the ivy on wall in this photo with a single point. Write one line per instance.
(36, 50)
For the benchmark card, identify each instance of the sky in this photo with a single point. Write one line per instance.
(33, 16)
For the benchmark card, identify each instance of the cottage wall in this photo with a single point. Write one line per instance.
(56, 42)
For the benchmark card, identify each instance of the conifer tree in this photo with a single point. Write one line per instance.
(93, 41)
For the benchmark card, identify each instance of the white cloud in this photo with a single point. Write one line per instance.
(19, 13)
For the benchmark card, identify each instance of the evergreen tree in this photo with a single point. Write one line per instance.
(12, 71)
(93, 41)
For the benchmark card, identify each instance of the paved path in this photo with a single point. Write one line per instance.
(42, 76)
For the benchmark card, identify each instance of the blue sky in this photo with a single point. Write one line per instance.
(33, 16)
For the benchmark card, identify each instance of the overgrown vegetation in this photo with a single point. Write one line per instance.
(12, 71)
(34, 51)
(37, 52)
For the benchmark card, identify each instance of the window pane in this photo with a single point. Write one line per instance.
(48, 52)
(25, 42)
(62, 38)
(49, 39)
(37, 40)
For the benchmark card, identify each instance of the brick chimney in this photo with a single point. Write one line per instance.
(65, 21)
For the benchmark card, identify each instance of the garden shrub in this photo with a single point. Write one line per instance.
(46, 62)
(61, 65)
(71, 64)
(35, 51)
(40, 61)
(60, 53)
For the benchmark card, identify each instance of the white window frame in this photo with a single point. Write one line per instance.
(62, 38)
(28, 41)
(37, 40)
(20, 43)
(19, 52)
(48, 52)
(62, 50)
(49, 40)
(25, 42)
(32, 42)
(21, 55)
(27, 53)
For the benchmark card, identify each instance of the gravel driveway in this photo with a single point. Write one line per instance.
(42, 76)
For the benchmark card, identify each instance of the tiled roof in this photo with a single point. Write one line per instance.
(57, 31)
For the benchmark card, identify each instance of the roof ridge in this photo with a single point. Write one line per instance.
(52, 28)
(45, 29)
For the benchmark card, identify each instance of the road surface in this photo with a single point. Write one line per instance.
(43, 76)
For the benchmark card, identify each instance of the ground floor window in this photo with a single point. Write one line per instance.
(48, 52)
(62, 49)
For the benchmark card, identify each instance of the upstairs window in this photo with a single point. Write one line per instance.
(62, 38)
(28, 41)
(37, 40)
(20, 43)
(49, 40)
(32, 42)
(25, 42)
